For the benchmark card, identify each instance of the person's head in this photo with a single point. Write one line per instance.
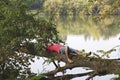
(49, 44)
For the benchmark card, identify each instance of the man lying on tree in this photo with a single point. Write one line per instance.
(62, 49)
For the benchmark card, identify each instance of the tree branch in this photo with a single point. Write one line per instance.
(70, 76)
(100, 66)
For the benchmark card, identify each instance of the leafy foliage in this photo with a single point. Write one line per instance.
(89, 7)
(21, 32)
(106, 53)
(37, 77)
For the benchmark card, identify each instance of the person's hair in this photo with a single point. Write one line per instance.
(49, 43)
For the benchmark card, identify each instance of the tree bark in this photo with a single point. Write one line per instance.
(97, 65)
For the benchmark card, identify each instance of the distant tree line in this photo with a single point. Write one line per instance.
(74, 7)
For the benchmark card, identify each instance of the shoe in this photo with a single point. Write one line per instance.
(88, 54)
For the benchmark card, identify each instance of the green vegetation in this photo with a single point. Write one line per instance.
(18, 27)
(82, 7)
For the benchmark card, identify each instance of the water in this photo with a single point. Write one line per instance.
(78, 42)
(88, 34)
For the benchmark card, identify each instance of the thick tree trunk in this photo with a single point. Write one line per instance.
(101, 66)
(97, 65)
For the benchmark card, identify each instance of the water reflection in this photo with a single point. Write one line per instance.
(79, 42)
(92, 34)
(88, 27)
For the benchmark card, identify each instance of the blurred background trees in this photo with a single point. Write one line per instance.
(86, 7)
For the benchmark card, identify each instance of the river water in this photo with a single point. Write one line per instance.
(88, 34)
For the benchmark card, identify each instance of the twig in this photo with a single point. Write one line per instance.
(70, 76)
(115, 46)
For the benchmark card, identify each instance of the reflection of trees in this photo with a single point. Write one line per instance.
(88, 27)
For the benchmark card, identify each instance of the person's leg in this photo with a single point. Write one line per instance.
(67, 55)
(76, 52)
(81, 54)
